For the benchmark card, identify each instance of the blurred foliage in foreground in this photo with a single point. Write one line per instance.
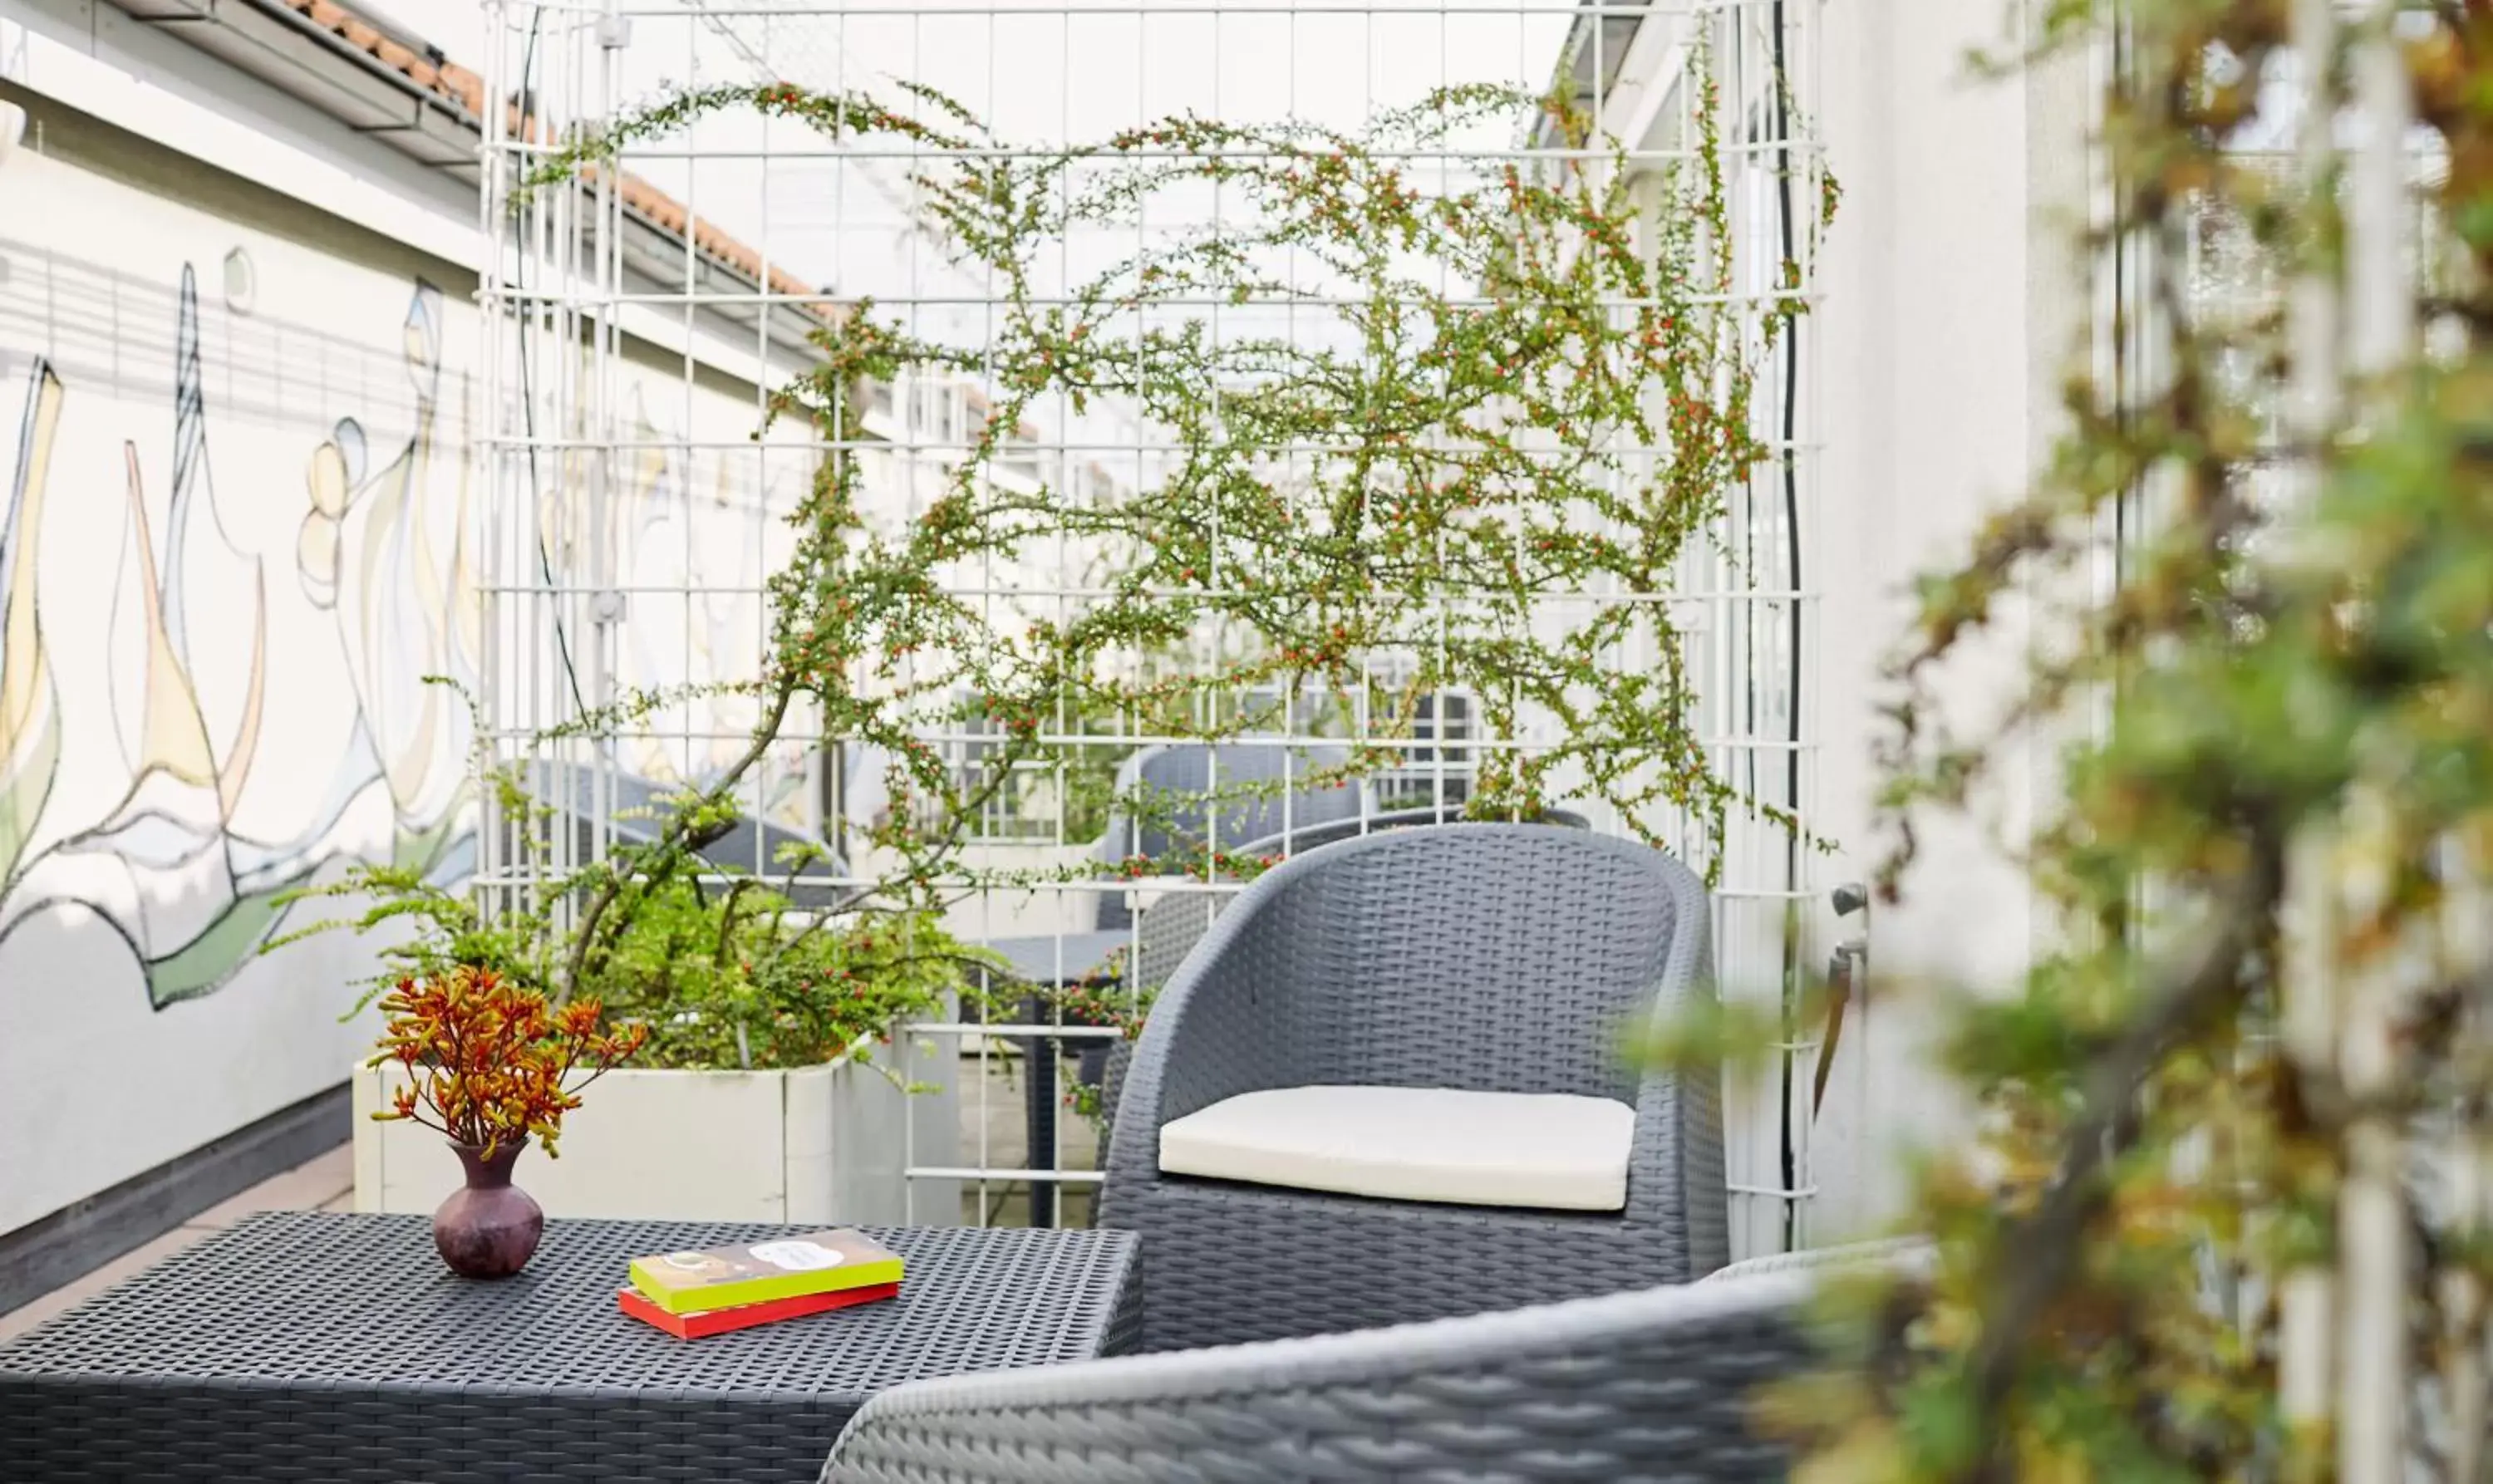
(2224, 1218)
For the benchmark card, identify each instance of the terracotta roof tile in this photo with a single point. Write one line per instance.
(458, 85)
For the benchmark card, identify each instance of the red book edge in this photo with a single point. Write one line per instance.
(718, 1322)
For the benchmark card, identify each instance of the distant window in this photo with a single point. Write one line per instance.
(832, 803)
(1023, 457)
(1440, 764)
(1015, 806)
(934, 413)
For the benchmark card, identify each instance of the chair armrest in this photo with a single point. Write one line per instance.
(1626, 1386)
(1224, 1023)
(1904, 1257)
(1166, 932)
(1676, 1163)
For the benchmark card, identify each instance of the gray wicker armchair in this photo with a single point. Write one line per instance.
(1649, 1385)
(1482, 957)
(1168, 929)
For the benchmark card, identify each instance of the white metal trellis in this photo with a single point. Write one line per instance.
(632, 515)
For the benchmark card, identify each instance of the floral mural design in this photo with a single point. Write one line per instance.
(200, 831)
(242, 493)
(387, 552)
(190, 862)
(30, 739)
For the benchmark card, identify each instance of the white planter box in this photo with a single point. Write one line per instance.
(817, 1146)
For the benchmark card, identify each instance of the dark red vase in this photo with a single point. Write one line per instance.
(489, 1228)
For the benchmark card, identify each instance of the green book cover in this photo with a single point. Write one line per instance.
(759, 1272)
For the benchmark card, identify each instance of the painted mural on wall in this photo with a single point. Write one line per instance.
(181, 863)
(240, 532)
(204, 828)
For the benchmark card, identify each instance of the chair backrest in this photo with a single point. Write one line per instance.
(1501, 958)
(1168, 929)
(1650, 1384)
(1188, 822)
(1300, 839)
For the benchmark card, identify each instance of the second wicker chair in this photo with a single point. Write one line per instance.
(1479, 957)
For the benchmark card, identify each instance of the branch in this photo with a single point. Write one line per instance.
(675, 837)
(2040, 1251)
(727, 920)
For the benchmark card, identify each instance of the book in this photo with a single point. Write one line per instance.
(719, 1321)
(758, 1273)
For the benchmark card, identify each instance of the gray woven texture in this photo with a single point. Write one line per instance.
(1489, 957)
(336, 1348)
(1302, 838)
(1650, 1386)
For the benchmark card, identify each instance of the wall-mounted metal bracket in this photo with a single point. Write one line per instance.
(1852, 953)
(1846, 976)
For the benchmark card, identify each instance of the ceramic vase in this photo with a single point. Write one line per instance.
(489, 1228)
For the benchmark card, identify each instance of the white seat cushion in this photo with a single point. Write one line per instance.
(1540, 1151)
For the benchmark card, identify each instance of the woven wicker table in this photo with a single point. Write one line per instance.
(336, 1348)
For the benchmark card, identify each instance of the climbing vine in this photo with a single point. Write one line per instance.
(1405, 433)
(1505, 412)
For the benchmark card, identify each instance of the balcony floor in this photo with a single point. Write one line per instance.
(326, 1183)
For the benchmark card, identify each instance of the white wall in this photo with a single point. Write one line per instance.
(1950, 306)
(235, 452)
(144, 77)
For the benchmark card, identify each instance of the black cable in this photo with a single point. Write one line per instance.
(525, 102)
(1793, 563)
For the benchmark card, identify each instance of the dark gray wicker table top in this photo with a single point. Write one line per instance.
(337, 1346)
